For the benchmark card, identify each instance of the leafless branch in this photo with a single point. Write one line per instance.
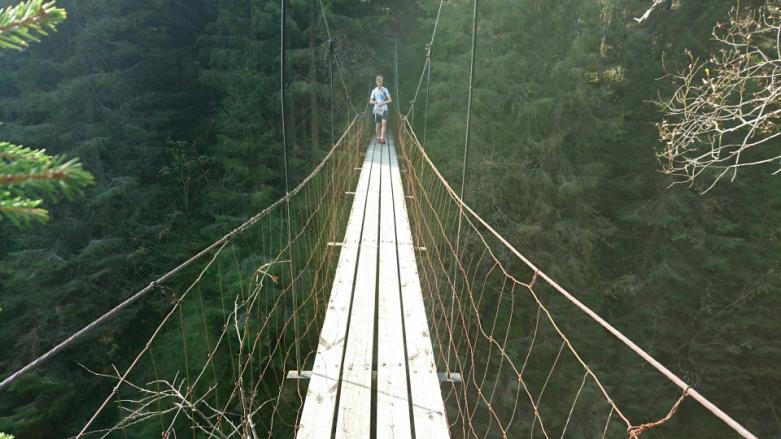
(724, 113)
(178, 396)
(648, 12)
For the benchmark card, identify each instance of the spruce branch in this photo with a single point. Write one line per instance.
(27, 22)
(25, 172)
(725, 113)
(21, 211)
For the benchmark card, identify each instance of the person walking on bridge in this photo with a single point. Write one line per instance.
(380, 97)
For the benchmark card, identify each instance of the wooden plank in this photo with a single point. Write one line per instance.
(317, 415)
(354, 413)
(393, 417)
(427, 406)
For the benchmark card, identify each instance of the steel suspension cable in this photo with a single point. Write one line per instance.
(396, 70)
(154, 285)
(282, 62)
(331, 81)
(430, 44)
(347, 96)
(466, 151)
(686, 388)
(147, 346)
(344, 84)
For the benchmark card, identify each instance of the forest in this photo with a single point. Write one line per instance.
(172, 108)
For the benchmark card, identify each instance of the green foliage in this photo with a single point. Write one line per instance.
(24, 171)
(240, 68)
(561, 163)
(186, 169)
(27, 22)
(112, 88)
(6, 436)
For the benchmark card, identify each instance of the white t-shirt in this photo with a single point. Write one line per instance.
(380, 96)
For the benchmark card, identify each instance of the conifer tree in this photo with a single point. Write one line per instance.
(26, 173)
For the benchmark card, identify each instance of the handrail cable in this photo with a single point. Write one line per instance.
(165, 277)
(463, 211)
(148, 344)
(688, 390)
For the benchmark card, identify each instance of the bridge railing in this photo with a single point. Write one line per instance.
(252, 314)
(215, 337)
(506, 336)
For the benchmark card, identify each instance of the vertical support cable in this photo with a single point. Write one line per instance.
(396, 72)
(331, 79)
(347, 97)
(423, 72)
(428, 82)
(371, 86)
(463, 173)
(282, 61)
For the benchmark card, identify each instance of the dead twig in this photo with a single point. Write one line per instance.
(725, 111)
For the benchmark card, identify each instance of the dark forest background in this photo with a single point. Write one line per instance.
(173, 105)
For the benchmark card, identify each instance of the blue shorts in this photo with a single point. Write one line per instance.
(378, 118)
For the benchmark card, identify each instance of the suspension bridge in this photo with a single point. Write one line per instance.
(370, 301)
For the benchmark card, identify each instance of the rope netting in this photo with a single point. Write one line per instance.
(215, 362)
(520, 374)
(223, 329)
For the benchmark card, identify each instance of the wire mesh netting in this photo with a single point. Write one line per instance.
(217, 358)
(512, 369)
(236, 322)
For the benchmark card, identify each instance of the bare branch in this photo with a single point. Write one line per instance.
(648, 12)
(181, 396)
(725, 112)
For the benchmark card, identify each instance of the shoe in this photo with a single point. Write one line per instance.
(382, 141)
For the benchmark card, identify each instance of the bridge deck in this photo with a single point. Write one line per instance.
(375, 325)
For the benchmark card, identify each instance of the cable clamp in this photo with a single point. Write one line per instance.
(534, 278)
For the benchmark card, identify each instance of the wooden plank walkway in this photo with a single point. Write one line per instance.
(375, 367)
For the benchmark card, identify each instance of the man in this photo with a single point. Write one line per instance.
(380, 98)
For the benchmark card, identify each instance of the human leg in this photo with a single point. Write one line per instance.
(384, 125)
